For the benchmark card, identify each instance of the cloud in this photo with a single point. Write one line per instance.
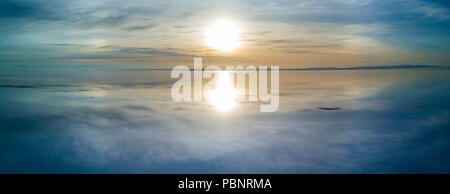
(32, 10)
(68, 45)
(143, 50)
(347, 31)
(432, 10)
(97, 19)
(138, 27)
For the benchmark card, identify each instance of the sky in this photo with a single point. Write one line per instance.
(159, 34)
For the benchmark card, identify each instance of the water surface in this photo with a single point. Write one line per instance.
(124, 121)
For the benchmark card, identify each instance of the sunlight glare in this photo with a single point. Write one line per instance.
(223, 95)
(223, 35)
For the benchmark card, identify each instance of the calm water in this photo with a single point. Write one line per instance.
(124, 121)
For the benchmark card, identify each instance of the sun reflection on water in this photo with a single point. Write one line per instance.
(223, 96)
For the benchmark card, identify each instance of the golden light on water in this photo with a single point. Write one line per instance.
(223, 35)
(223, 96)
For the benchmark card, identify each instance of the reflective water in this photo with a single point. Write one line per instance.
(124, 121)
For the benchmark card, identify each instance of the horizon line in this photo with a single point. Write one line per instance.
(316, 68)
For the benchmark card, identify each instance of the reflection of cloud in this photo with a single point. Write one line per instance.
(369, 67)
(329, 108)
(16, 86)
(139, 129)
(137, 107)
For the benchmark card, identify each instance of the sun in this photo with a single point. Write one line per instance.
(223, 35)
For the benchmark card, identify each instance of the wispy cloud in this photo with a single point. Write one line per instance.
(431, 10)
(347, 31)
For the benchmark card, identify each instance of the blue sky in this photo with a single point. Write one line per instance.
(288, 33)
